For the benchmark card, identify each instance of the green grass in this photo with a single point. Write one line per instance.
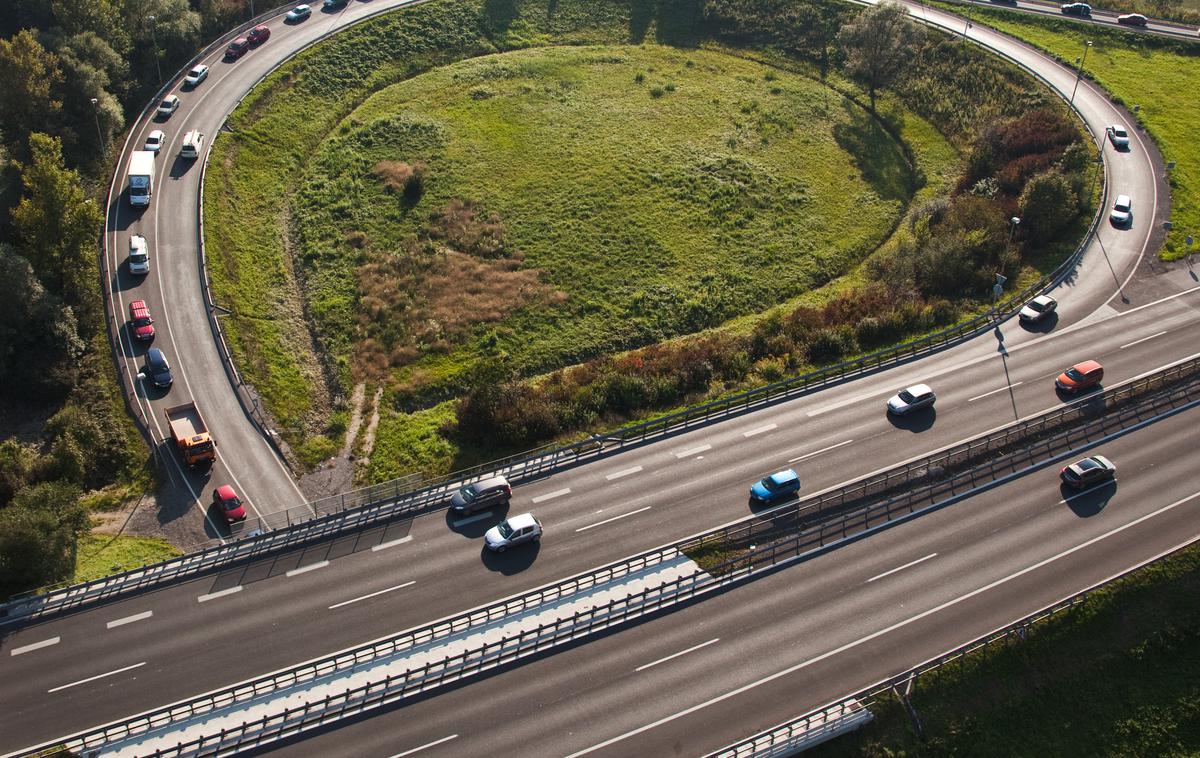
(100, 555)
(1116, 677)
(1162, 77)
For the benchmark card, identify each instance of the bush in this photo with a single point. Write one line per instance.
(831, 345)
(1048, 206)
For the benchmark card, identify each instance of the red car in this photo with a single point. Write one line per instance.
(1080, 377)
(258, 35)
(237, 48)
(227, 501)
(140, 321)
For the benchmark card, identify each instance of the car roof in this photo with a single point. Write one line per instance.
(1086, 367)
(491, 481)
(136, 305)
(155, 355)
(920, 389)
(1122, 199)
(1103, 461)
(171, 99)
(156, 133)
(787, 475)
(522, 521)
(225, 492)
(1043, 300)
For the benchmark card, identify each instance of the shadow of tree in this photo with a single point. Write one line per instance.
(678, 22)
(641, 13)
(879, 159)
(499, 14)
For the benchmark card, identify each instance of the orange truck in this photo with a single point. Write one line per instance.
(191, 434)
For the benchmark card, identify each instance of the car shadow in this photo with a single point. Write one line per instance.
(474, 525)
(759, 507)
(1042, 325)
(123, 214)
(1088, 400)
(921, 421)
(122, 280)
(131, 347)
(511, 561)
(181, 166)
(1090, 502)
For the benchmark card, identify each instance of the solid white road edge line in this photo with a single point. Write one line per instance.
(614, 518)
(693, 451)
(886, 630)
(373, 594)
(676, 655)
(760, 430)
(993, 392)
(471, 519)
(623, 472)
(550, 495)
(94, 678)
(35, 646)
(423, 747)
(910, 564)
(309, 567)
(221, 593)
(393, 543)
(1143, 339)
(129, 619)
(818, 452)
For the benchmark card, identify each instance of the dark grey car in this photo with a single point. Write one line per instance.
(158, 369)
(481, 495)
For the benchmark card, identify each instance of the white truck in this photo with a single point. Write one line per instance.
(141, 177)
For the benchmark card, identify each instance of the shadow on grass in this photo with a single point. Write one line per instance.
(876, 155)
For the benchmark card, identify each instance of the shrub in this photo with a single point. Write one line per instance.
(831, 345)
(1048, 206)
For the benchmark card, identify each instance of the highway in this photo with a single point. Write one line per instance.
(1099, 17)
(117, 659)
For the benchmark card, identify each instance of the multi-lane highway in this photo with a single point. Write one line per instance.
(1098, 17)
(121, 658)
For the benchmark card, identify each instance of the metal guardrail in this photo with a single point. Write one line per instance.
(779, 740)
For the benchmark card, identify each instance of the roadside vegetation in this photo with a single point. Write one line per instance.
(74, 73)
(1137, 70)
(1116, 676)
(737, 196)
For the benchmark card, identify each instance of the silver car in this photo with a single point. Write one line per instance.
(915, 398)
(1117, 135)
(196, 75)
(1122, 211)
(515, 531)
(1038, 308)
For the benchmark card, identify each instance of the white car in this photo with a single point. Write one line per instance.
(195, 76)
(169, 105)
(299, 13)
(514, 531)
(1117, 135)
(915, 398)
(1038, 308)
(139, 256)
(1122, 211)
(154, 141)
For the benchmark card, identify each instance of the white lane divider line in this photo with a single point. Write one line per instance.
(910, 564)
(760, 430)
(551, 495)
(623, 472)
(614, 518)
(373, 594)
(692, 451)
(308, 568)
(692, 649)
(1143, 339)
(35, 646)
(94, 678)
(129, 619)
(818, 452)
(392, 543)
(215, 595)
(425, 746)
(993, 392)
(471, 519)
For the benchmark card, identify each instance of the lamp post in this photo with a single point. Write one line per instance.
(1012, 227)
(154, 37)
(1079, 69)
(1187, 249)
(99, 134)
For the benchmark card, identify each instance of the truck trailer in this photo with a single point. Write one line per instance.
(191, 434)
(141, 177)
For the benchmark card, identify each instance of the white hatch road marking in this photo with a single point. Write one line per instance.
(760, 430)
(901, 568)
(551, 495)
(471, 519)
(393, 543)
(993, 392)
(623, 472)
(373, 594)
(129, 619)
(818, 452)
(887, 630)
(35, 646)
(676, 655)
(97, 676)
(215, 595)
(423, 747)
(693, 451)
(309, 567)
(614, 518)
(1143, 339)
(1088, 491)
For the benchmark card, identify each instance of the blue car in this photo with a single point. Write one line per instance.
(777, 485)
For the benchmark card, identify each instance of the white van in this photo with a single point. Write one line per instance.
(193, 143)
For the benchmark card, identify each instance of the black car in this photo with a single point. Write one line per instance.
(157, 368)
(1077, 9)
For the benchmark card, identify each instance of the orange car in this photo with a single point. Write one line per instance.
(1080, 377)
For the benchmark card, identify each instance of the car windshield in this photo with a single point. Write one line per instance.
(907, 396)
(769, 484)
(505, 530)
(137, 255)
(1120, 131)
(1087, 464)
(142, 321)
(468, 493)
(165, 104)
(1074, 373)
(1037, 306)
(232, 504)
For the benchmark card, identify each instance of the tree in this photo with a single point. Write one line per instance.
(878, 45)
(1048, 206)
(102, 17)
(38, 533)
(31, 75)
(40, 346)
(58, 225)
(90, 68)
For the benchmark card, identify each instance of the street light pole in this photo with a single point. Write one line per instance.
(1079, 69)
(1012, 227)
(99, 134)
(154, 36)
